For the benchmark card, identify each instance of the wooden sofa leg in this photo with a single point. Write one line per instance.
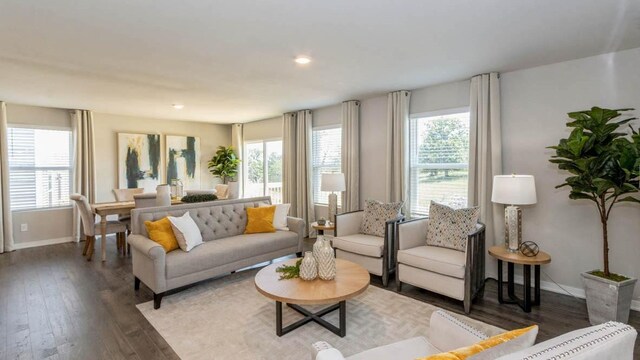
(136, 283)
(157, 299)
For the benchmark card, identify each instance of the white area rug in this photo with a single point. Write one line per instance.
(228, 319)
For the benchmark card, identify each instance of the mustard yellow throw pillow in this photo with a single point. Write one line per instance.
(260, 220)
(161, 232)
(465, 352)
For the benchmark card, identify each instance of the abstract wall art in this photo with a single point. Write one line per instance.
(139, 161)
(183, 160)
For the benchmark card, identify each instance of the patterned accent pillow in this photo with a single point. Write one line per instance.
(450, 228)
(376, 214)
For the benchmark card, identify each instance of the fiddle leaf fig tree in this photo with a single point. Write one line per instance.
(224, 164)
(602, 156)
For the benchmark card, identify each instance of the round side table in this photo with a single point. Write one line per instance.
(321, 228)
(502, 254)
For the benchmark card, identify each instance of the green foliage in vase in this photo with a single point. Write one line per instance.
(289, 271)
(224, 164)
(198, 198)
(604, 162)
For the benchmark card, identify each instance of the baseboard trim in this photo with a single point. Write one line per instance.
(30, 244)
(577, 292)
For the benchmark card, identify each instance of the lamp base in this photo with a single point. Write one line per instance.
(333, 207)
(513, 228)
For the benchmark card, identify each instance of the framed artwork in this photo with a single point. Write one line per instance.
(139, 161)
(183, 160)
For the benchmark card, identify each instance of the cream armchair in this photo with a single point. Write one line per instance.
(376, 254)
(456, 274)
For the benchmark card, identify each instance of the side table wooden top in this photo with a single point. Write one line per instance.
(351, 280)
(501, 253)
(330, 226)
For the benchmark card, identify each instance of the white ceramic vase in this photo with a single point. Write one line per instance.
(308, 267)
(326, 261)
(317, 246)
(163, 195)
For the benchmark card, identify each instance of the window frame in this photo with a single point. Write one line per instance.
(72, 157)
(313, 167)
(265, 160)
(414, 165)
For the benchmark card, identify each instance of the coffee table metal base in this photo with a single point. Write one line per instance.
(316, 317)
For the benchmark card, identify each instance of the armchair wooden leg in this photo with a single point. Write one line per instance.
(467, 305)
(399, 286)
(385, 278)
(157, 299)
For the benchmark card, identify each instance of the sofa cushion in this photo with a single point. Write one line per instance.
(509, 341)
(376, 214)
(436, 259)
(450, 228)
(161, 232)
(260, 220)
(406, 349)
(227, 250)
(360, 244)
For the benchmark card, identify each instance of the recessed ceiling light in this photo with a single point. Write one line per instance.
(302, 60)
(178, 106)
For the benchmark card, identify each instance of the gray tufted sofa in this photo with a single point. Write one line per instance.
(226, 248)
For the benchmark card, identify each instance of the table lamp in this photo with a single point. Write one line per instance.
(513, 190)
(332, 183)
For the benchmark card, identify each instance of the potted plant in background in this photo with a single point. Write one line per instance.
(604, 163)
(224, 164)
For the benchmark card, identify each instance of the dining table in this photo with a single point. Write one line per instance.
(114, 208)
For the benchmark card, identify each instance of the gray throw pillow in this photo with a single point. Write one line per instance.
(376, 214)
(450, 228)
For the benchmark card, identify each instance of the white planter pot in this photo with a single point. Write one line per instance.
(234, 189)
(607, 300)
(163, 195)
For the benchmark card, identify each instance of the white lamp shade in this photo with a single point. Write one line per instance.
(332, 182)
(514, 190)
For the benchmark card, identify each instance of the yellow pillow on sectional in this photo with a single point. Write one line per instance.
(465, 352)
(260, 220)
(161, 232)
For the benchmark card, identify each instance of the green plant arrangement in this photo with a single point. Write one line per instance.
(198, 198)
(224, 164)
(289, 271)
(604, 162)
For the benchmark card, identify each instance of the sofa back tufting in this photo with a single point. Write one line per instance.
(215, 219)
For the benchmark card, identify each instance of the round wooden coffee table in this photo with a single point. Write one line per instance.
(351, 280)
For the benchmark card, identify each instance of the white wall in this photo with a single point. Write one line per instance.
(43, 224)
(107, 127)
(534, 106)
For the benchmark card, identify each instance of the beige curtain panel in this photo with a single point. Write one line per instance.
(485, 155)
(84, 164)
(397, 152)
(351, 155)
(297, 171)
(6, 224)
(237, 139)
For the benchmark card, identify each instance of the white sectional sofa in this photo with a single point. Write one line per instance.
(612, 340)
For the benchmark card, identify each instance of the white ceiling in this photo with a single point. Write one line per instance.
(231, 61)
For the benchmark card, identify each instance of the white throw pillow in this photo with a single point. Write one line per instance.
(280, 216)
(186, 231)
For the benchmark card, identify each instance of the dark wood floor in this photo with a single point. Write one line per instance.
(56, 305)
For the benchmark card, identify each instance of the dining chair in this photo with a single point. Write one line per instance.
(145, 200)
(91, 228)
(126, 194)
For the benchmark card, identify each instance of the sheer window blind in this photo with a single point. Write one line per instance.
(327, 144)
(439, 161)
(39, 167)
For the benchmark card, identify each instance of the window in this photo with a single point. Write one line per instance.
(263, 169)
(327, 144)
(439, 160)
(39, 167)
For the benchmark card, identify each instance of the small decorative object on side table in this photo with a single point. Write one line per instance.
(513, 190)
(321, 228)
(503, 254)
